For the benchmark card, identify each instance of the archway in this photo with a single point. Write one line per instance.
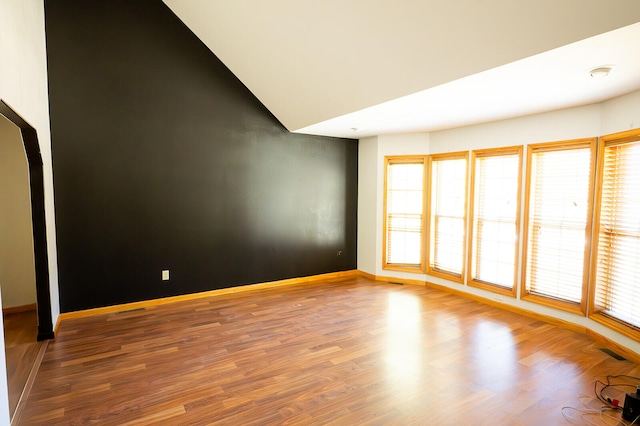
(36, 179)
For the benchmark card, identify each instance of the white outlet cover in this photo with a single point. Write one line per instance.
(165, 275)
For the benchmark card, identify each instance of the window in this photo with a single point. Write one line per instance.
(495, 207)
(447, 215)
(404, 216)
(616, 296)
(559, 184)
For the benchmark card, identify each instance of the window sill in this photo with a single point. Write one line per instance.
(574, 308)
(616, 325)
(450, 276)
(418, 269)
(494, 288)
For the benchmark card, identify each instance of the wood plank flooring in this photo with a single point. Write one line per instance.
(21, 351)
(343, 352)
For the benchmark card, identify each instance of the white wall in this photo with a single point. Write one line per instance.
(371, 153)
(17, 265)
(367, 198)
(621, 113)
(612, 116)
(23, 85)
(559, 125)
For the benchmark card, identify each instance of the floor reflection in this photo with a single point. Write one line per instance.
(403, 346)
(493, 355)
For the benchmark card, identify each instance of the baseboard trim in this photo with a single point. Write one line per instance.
(466, 295)
(19, 309)
(192, 296)
(510, 308)
(625, 352)
(390, 279)
(57, 324)
(621, 350)
(367, 275)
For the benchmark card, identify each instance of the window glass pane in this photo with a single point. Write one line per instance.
(496, 247)
(404, 239)
(404, 212)
(494, 219)
(558, 211)
(449, 181)
(618, 271)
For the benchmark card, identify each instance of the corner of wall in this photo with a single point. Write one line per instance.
(367, 200)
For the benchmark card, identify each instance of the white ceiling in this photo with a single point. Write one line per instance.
(328, 67)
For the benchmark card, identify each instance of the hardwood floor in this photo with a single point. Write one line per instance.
(21, 352)
(343, 352)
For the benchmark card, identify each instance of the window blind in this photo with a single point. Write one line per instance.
(618, 261)
(447, 218)
(495, 210)
(557, 222)
(405, 201)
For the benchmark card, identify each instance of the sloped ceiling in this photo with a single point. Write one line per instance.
(355, 68)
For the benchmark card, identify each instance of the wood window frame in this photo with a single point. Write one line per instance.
(576, 308)
(431, 270)
(405, 159)
(595, 313)
(471, 281)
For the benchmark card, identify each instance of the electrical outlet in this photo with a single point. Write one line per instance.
(165, 275)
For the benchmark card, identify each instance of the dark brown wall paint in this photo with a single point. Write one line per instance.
(164, 160)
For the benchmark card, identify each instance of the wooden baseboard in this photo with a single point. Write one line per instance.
(57, 324)
(192, 296)
(606, 342)
(367, 275)
(510, 308)
(390, 279)
(19, 309)
(621, 350)
(400, 281)
(625, 352)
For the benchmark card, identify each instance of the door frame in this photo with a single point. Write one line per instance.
(41, 254)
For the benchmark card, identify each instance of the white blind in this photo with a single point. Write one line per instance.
(405, 210)
(448, 192)
(618, 268)
(495, 207)
(558, 211)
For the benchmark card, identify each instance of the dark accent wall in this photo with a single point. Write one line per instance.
(163, 159)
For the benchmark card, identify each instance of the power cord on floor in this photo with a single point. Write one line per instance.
(612, 405)
(582, 413)
(587, 411)
(602, 413)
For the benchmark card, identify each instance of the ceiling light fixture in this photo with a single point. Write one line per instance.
(600, 72)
